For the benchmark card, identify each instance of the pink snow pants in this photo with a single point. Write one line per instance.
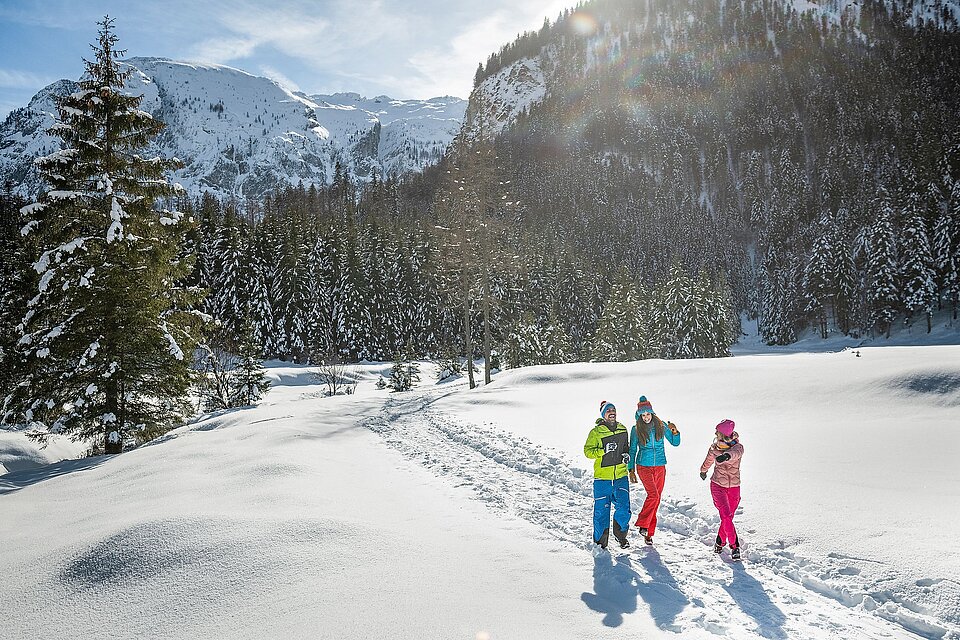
(726, 500)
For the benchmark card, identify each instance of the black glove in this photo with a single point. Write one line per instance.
(723, 457)
(703, 475)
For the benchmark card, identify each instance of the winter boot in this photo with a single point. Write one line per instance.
(603, 539)
(718, 545)
(735, 554)
(620, 535)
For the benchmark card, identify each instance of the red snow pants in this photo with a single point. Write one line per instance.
(726, 500)
(652, 479)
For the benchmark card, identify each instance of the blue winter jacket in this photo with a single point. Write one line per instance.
(652, 453)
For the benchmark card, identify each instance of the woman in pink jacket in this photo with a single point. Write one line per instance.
(725, 454)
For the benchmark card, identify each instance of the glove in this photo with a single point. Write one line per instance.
(673, 428)
(612, 446)
(633, 477)
(723, 457)
(703, 475)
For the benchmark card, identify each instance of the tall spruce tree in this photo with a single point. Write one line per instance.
(882, 270)
(622, 331)
(106, 343)
(919, 289)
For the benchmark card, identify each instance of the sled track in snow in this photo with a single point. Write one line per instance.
(686, 586)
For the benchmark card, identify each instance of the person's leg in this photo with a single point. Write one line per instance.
(733, 497)
(721, 500)
(621, 502)
(602, 497)
(646, 475)
(658, 479)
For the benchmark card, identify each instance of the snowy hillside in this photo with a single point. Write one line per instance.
(444, 512)
(242, 135)
(510, 92)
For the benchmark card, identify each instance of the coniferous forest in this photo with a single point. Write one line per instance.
(691, 164)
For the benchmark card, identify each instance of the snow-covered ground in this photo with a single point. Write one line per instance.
(444, 512)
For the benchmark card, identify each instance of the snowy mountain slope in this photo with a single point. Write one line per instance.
(242, 135)
(509, 92)
(465, 514)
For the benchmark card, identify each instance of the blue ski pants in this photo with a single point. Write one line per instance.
(605, 493)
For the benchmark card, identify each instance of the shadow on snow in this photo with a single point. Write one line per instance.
(17, 480)
(753, 600)
(617, 587)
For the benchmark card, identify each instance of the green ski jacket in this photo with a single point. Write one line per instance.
(609, 449)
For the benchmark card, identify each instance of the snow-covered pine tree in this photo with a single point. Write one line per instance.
(229, 298)
(721, 328)
(672, 329)
(555, 347)
(248, 380)
(320, 278)
(106, 343)
(882, 292)
(844, 271)
(818, 288)
(405, 372)
(621, 333)
(17, 282)
(946, 241)
(269, 303)
(777, 320)
(919, 288)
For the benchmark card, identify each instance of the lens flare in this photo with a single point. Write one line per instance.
(583, 24)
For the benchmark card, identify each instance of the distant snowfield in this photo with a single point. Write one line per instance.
(449, 513)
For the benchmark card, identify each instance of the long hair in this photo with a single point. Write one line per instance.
(643, 429)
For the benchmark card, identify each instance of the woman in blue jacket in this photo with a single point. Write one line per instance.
(648, 460)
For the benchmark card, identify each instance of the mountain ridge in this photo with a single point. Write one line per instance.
(241, 135)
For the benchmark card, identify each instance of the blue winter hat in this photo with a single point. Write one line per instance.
(604, 407)
(643, 406)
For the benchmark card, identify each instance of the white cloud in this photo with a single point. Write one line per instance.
(223, 50)
(15, 79)
(450, 68)
(279, 78)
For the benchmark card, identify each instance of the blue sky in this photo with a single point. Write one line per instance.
(415, 49)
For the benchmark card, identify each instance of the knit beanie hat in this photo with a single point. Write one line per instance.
(726, 427)
(644, 406)
(604, 407)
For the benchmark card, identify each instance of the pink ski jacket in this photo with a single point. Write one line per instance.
(725, 474)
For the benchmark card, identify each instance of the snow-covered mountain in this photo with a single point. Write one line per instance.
(242, 135)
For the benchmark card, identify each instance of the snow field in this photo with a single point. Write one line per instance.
(847, 469)
(444, 512)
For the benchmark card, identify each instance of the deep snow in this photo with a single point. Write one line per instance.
(444, 512)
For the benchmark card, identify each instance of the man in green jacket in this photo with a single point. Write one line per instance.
(608, 446)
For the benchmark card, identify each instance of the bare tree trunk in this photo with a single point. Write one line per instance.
(486, 326)
(467, 328)
(112, 444)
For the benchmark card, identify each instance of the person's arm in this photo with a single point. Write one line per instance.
(593, 448)
(673, 434)
(707, 462)
(733, 453)
(632, 463)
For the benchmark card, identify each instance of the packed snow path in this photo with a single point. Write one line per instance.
(679, 582)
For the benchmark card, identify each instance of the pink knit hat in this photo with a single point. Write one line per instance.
(726, 427)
